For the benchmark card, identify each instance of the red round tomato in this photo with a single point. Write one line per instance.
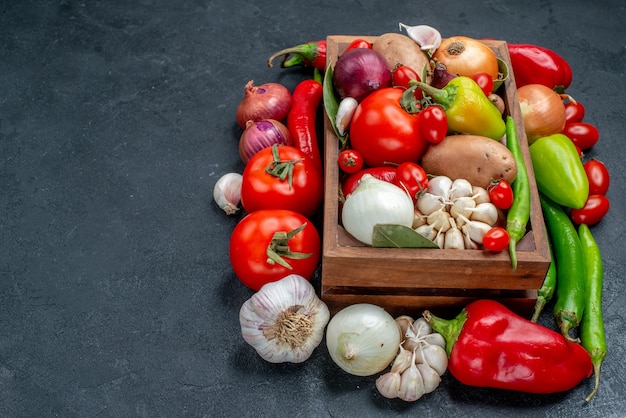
(383, 132)
(583, 135)
(281, 177)
(350, 161)
(433, 124)
(350, 183)
(411, 177)
(574, 112)
(402, 74)
(496, 239)
(500, 194)
(598, 175)
(261, 243)
(595, 208)
(485, 82)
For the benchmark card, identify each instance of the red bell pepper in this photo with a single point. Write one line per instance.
(490, 346)
(538, 65)
(311, 54)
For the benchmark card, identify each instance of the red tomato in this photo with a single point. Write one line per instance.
(594, 210)
(574, 112)
(496, 239)
(500, 194)
(402, 74)
(387, 173)
(253, 236)
(350, 161)
(485, 82)
(598, 175)
(358, 43)
(411, 177)
(433, 124)
(583, 135)
(296, 183)
(383, 132)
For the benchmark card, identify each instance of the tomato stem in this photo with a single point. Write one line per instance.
(281, 169)
(279, 248)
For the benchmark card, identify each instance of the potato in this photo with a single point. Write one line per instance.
(400, 49)
(477, 159)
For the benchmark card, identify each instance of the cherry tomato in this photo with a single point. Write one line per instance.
(411, 177)
(574, 112)
(595, 208)
(496, 239)
(402, 74)
(358, 43)
(485, 82)
(598, 175)
(253, 236)
(433, 124)
(386, 173)
(584, 135)
(350, 161)
(295, 183)
(383, 132)
(500, 193)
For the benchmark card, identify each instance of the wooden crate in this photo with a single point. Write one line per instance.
(407, 281)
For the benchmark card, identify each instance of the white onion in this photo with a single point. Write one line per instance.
(363, 339)
(375, 202)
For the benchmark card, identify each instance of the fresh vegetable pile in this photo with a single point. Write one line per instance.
(429, 156)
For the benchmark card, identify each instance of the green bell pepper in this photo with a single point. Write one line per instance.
(559, 171)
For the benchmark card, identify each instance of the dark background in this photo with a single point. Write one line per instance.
(117, 117)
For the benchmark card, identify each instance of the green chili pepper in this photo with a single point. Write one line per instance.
(559, 170)
(546, 292)
(467, 108)
(570, 267)
(592, 325)
(519, 212)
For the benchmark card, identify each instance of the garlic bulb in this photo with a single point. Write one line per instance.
(285, 320)
(375, 202)
(227, 192)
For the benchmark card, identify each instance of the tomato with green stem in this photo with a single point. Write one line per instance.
(350, 161)
(485, 82)
(411, 177)
(269, 244)
(401, 75)
(433, 124)
(500, 193)
(496, 239)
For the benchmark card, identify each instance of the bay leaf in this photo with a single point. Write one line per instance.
(399, 236)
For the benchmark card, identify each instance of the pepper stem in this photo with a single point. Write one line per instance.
(444, 96)
(566, 321)
(448, 328)
(302, 53)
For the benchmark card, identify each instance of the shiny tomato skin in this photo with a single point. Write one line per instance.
(350, 161)
(411, 177)
(598, 176)
(496, 239)
(595, 208)
(500, 194)
(433, 124)
(262, 190)
(252, 236)
(402, 74)
(485, 82)
(356, 44)
(383, 132)
(350, 182)
(574, 112)
(583, 135)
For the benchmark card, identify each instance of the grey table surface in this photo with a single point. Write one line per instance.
(117, 117)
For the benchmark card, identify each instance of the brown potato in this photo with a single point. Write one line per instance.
(477, 159)
(400, 49)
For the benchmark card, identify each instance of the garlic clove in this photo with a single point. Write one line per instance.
(430, 377)
(388, 384)
(422, 327)
(436, 357)
(402, 361)
(346, 110)
(227, 192)
(427, 37)
(480, 195)
(405, 322)
(411, 384)
(435, 339)
(285, 320)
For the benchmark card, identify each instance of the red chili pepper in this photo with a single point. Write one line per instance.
(490, 346)
(312, 54)
(538, 65)
(358, 43)
(301, 119)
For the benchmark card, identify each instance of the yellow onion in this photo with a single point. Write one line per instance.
(467, 56)
(543, 111)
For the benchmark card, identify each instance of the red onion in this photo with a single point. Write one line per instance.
(267, 101)
(262, 134)
(359, 72)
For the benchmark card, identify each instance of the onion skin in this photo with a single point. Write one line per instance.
(543, 111)
(267, 101)
(262, 134)
(467, 56)
(359, 72)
